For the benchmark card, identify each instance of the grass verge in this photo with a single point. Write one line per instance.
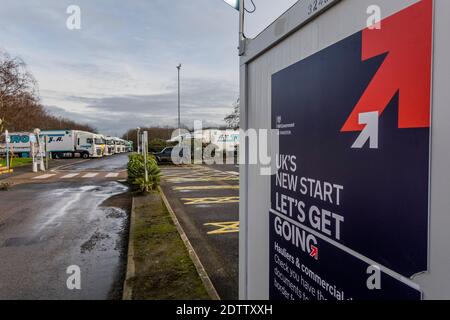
(17, 162)
(163, 268)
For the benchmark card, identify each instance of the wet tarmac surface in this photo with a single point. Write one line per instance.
(205, 200)
(47, 227)
(111, 163)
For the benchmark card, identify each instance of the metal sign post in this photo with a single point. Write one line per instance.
(46, 152)
(33, 151)
(138, 145)
(142, 143)
(40, 152)
(7, 140)
(145, 149)
(241, 8)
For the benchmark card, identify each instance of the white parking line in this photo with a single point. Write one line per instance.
(90, 175)
(44, 176)
(70, 175)
(112, 175)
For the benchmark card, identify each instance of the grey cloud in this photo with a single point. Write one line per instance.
(204, 100)
(120, 43)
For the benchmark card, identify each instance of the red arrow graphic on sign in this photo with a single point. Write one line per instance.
(314, 252)
(406, 37)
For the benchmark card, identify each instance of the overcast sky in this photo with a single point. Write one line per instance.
(118, 71)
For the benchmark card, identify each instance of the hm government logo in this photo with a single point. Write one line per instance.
(285, 129)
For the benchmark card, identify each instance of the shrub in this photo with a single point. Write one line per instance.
(136, 172)
(157, 145)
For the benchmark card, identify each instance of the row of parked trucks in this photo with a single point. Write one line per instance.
(67, 144)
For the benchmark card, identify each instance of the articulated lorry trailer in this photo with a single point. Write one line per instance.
(72, 143)
(20, 144)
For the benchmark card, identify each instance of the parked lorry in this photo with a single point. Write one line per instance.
(226, 140)
(120, 145)
(129, 146)
(110, 147)
(124, 145)
(72, 143)
(223, 140)
(19, 144)
(99, 145)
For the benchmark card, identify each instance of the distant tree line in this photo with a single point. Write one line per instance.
(157, 137)
(20, 107)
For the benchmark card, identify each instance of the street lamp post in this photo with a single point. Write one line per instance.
(179, 113)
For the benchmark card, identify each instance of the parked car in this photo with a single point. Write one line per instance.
(165, 155)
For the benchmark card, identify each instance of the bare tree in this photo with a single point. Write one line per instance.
(16, 85)
(20, 109)
(233, 119)
(154, 134)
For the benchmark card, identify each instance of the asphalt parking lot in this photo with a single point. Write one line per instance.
(206, 202)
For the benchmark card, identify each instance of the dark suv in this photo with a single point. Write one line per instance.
(165, 155)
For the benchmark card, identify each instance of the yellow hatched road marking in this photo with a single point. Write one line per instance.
(175, 180)
(223, 227)
(185, 170)
(196, 174)
(188, 176)
(209, 176)
(206, 188)
(210, 200)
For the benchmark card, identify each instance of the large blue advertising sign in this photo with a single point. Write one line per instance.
(350, 201)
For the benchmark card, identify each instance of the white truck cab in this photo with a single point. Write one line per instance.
(117, 145)
(122, 146)
(98, 146)
(85, 144)
(109, 148)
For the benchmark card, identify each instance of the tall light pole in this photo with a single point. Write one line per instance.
(179, 113)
